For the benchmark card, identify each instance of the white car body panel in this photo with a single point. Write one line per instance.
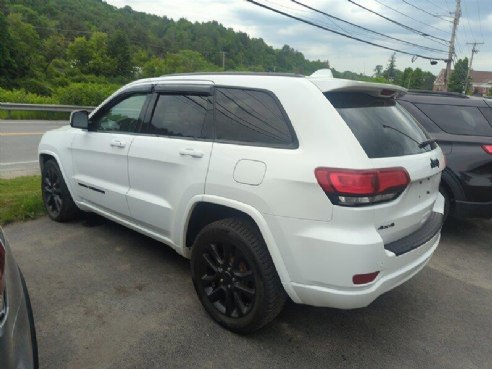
(100, 167)
(316, 247)
(163, 177)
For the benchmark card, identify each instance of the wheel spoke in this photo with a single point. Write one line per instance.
(214, 295)
(216, 255)
(229, 302)
(243, 275)
(240, 304)
(208, 279)
(244, 289)
(58, 202)
(210, 262)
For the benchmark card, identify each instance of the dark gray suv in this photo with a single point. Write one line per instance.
(18, 348)
(462, 126)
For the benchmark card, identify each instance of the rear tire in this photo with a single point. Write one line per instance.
(56, 197)
(234, 275)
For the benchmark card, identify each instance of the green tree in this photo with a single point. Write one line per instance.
(457, 79)
(90, 56)
(25, 54)
(390, 71)
(119, 51)
(378, 71)
(7, 66)
(188, 61)
(54, 47)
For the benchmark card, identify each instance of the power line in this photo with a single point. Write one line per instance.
(367, 29)
(468, 21)
(332, 22)
(434, 4)
(409, 17)
(400, 24)
(340, 33)
(425, 11)
(479, 18)
(307, 12)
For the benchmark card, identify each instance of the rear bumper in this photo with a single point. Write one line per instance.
(351, 298)
(465, 209)
(322, 258)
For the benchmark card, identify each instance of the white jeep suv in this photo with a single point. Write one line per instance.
(320, 189)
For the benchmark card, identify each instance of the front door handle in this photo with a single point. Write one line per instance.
(118, 143)
(191, 152)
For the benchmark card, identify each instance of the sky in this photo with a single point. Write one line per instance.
(345, 54)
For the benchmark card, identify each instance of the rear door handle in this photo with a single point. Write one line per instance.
(191, 152)
(118, 143)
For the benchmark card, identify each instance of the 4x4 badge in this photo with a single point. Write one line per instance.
(434, 163)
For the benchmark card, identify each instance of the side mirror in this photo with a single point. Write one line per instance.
(80, 119)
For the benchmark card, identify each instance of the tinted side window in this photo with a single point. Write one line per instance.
(121, 117)
(250, 116)
(180, 116)
(459, 120)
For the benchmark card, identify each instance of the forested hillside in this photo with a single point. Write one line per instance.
(79, 51)
(46, 44)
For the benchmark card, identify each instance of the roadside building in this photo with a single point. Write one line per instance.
(481, 82)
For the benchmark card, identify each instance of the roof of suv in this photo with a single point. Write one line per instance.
(445, 98)
(324, 83)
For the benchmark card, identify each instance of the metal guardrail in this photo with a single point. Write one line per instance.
(42, 107)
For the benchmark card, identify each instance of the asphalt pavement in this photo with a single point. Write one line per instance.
(107, 297)
(19, 141)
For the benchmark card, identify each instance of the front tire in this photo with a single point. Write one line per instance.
(56, 197)
(234, 275)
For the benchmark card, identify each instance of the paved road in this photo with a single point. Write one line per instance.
(19, 144)
(107, 297)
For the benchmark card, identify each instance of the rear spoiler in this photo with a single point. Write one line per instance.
(345, 85)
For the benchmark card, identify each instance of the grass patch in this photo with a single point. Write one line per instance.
(20, 199)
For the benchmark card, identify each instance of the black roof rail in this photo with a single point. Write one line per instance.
(439, 93)
(271, 74)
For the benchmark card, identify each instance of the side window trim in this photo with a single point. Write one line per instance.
(116, 100)
(294, 144)
(178, 90)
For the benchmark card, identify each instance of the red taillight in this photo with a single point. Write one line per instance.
(487, 149)
(350, 187)
(364, 278)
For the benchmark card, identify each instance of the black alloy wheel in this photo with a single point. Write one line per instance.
(56, 196)
(52, 191)
(227, 279)
(234, 275)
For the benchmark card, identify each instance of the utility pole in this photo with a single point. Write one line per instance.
(474, 51)
(456, 21)
(223, 59)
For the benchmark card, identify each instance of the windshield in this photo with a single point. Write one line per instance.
(382, 127)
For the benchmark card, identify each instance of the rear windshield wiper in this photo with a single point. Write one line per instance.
(420, 144)
(427, 142)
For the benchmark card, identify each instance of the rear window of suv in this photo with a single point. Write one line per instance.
(382, 127)
(458, 120)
